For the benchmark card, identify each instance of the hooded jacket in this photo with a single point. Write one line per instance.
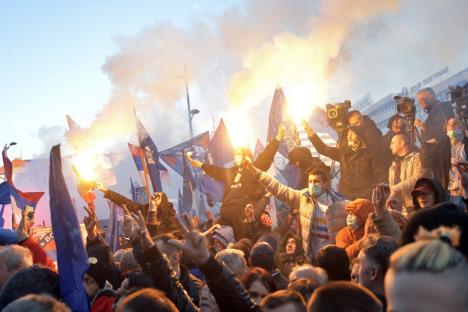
(348, 238)
(360, 170)
(287, 262)
(439, 193)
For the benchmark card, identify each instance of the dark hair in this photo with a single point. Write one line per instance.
(32, 280)
(262, 255)
(261, 275)
(392, 119)
(343, 296)
(430, 90)
(335, 262)
(318, 170)
(442, 214)
(282, 297)
(305, 287)
(147, 299)
(353, 113)
(379, 251)
(36, 303)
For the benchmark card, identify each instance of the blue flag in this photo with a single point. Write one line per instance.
(292, 176)
(258, 148)
(112, 236)
(180, 203)
(220, 152)
(151, 155)
(4, 193)
(132, 189)
(2, 220)
(72, 259)
(173, 156)
(188, 187)
(279, 116)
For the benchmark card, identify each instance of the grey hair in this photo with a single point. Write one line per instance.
(15, 256)
(233, 259)
(309, 272)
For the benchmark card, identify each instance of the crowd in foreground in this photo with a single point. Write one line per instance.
(392, 237)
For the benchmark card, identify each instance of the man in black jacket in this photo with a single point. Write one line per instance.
(360, 170)
(240, 187)
(438, 113)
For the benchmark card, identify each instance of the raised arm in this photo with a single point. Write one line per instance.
(266, 157)
(289, 196)
(323, 149)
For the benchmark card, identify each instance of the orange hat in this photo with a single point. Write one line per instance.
(361, 208)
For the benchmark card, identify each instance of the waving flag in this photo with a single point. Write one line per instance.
(112, 236)
(173, 156)
(138, 155)
(72, 259)
(151, 155)
(220, 152)
(22, 199)
(188, 187)
(180, 202)
(279, 116)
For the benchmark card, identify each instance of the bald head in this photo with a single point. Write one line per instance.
(400, 145)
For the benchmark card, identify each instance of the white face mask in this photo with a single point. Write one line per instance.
(352, 221)
(238, 160)
(315, 190)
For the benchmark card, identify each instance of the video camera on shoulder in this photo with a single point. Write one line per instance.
(337, 115)
(405, 105)
(459, 100)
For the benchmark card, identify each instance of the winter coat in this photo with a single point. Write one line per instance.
(240, 187)
(39, 255)
(436, 158)
(436, 122)
(348, 238)
(335, 215)
(410, 171)
(360, 170)
(439, 194)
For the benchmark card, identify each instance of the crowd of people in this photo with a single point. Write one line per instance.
(392, 237)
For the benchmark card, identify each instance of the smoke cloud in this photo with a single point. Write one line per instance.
(319, 51)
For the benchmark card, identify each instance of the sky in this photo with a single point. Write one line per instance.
(51, 58)
(94, 60)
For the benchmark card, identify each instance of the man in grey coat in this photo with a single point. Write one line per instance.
(322, 211)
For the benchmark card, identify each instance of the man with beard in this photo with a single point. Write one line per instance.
(240, 187)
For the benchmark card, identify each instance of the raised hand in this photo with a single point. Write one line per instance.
(378, 199)
(142, 231)
(128, 223)
(281, 133)
(27, 221)
(266, 219)
(307, 128)
(90, 222)
(194, 246)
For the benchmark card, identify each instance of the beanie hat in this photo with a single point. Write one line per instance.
(270, 239)
(262, 255)
(224, 235)
(97, 271)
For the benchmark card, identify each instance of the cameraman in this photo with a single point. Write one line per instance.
(360, 170)
(438, 113)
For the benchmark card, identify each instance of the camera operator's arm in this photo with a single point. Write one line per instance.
(323, 149)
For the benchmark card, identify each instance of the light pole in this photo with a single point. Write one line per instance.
(191, 112)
